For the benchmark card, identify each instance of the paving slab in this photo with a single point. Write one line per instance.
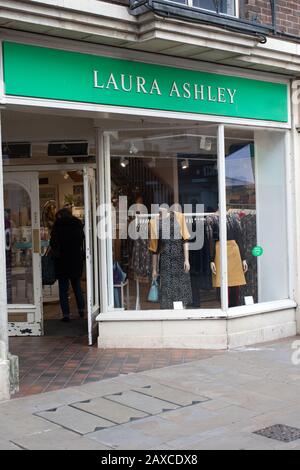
(122, 438)
(171, 394)
(75, 420)
(103, 387)
(254, 401)
(12, 427)
(145, 434)
(7, 445)
(196, 419)
(142, 402)
(58, 440)
(45, 401)
(110, 410)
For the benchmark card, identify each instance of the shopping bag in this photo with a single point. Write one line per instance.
(48, 269)
(153, 292)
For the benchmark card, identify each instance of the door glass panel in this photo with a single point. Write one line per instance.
(19, 266)
(91, 235)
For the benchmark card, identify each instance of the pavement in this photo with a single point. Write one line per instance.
(242, 399)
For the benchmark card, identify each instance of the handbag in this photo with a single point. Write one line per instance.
(118, 274)
(119, 278)
(153, 295)
(48, 269)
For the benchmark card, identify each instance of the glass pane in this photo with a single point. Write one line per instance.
(256, 226)
(165, 195)
(19, 268)
(225, 6)
(183, 2)
(94, 277)
(205, 4)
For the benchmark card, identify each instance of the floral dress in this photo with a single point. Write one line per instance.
(175, 283)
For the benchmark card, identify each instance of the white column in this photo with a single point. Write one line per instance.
(223, 224)
(4, 363)
(295, 184)
(101, 225)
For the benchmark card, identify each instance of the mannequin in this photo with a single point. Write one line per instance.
(170, 258)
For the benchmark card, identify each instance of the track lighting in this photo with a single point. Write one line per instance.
(185, 164)
(124, 162)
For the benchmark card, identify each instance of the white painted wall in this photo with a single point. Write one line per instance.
(198, 334)
(177, 334)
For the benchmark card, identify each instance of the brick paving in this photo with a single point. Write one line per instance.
(51, 363)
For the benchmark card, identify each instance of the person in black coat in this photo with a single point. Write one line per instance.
(67, 245)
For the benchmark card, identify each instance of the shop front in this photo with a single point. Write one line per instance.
(187, 194)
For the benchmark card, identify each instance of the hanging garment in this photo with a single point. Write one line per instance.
(175, 283)
(236, 276)
(141, 260)
(235, 249)
(248, 225)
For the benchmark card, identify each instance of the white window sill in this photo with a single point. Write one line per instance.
(213, 314)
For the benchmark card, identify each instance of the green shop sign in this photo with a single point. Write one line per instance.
(40, 72)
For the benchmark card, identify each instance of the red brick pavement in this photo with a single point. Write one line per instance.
(52, 363)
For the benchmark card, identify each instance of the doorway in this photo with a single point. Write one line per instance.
(32, 199)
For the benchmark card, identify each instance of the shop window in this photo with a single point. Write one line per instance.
(168, 180)
(166, 213)
(256, 216)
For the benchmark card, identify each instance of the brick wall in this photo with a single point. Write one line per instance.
(288, 14)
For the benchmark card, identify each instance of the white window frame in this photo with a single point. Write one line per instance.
(224, 311)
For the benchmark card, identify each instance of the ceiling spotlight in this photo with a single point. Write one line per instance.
(124, 162)
(66, 175)
(133, 149)
(185, 164)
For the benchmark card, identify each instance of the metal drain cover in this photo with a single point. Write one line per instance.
(280, 432)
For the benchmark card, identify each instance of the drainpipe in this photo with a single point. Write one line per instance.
(4, 361)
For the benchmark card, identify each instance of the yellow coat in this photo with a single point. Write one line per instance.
(154, 236)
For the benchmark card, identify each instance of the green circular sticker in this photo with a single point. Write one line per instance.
(257, 251)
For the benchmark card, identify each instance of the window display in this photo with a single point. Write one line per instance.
(166, 218)
(169, 182)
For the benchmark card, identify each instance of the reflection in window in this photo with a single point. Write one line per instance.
(227, 7)
(256, 201)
